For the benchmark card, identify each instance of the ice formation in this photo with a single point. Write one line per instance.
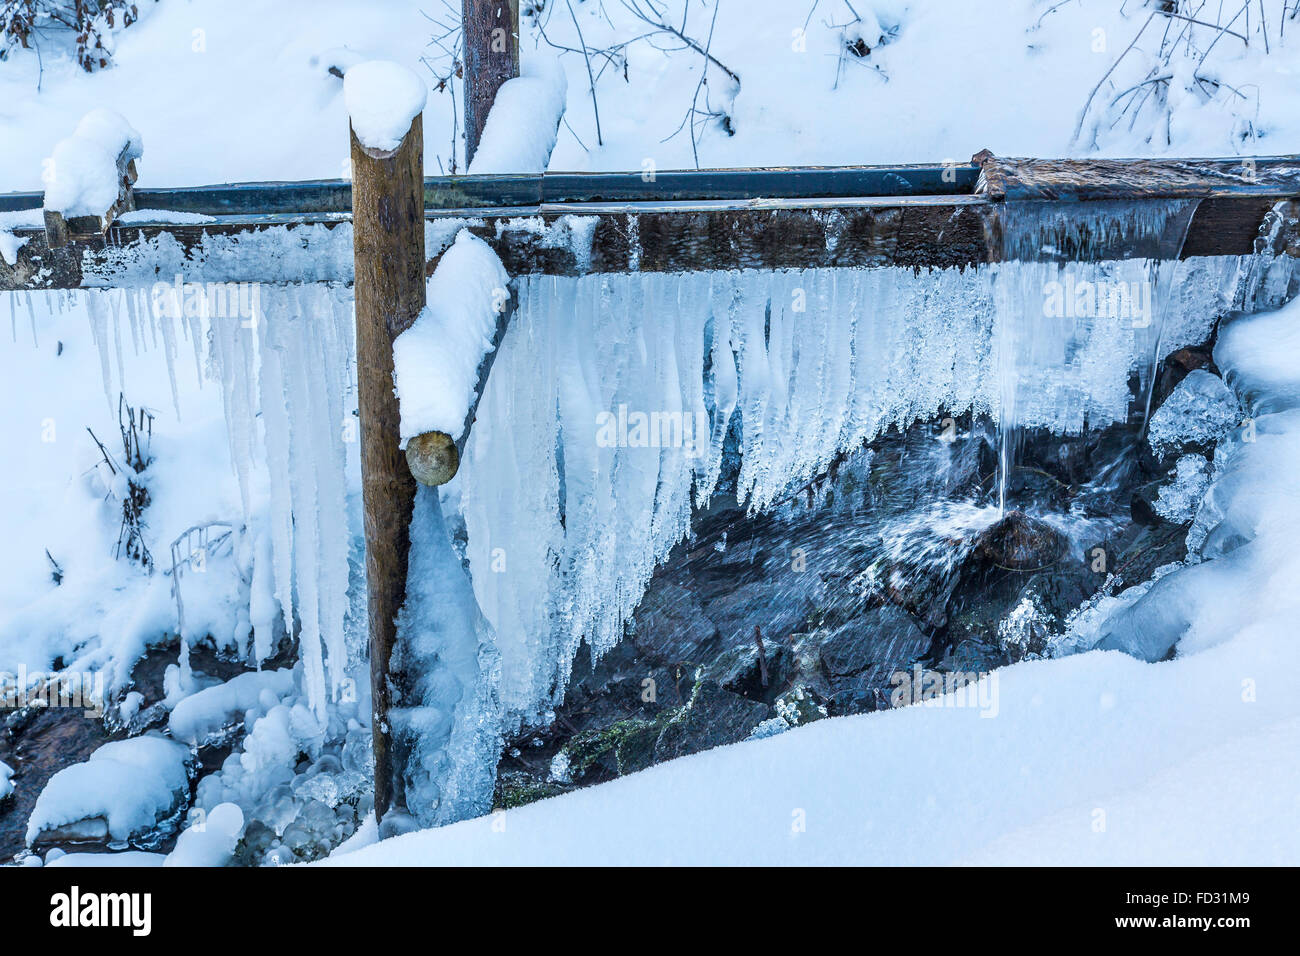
(1179, 499)
(449, 717)
(521, 126)
(1199, 411)
(567, 518)
(382, 99)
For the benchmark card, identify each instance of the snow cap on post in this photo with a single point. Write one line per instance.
(90, 177)
(382, 98)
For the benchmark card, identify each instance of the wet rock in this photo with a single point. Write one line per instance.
(1019, 542)
(744, 672)
(886, 636)
(713, 717)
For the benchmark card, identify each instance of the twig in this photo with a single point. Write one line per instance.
(595, 106)
(1083, 114)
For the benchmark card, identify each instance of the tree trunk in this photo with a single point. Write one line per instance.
(491, 58)
(388, 246)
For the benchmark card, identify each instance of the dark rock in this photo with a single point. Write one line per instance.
(713, 717)
(885, 636)
(741, 671)
(1019, 542)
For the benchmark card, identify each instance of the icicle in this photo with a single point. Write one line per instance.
(31, 314)
(164, 318)
(115, 305)
(276, 436)
(13, 315)
(130, 297)
(99, 332)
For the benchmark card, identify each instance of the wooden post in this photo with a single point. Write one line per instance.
(491, 58)
(388, 246)
(60, 230)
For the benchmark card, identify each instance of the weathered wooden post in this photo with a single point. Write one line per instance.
(388, 248)
(491, 58)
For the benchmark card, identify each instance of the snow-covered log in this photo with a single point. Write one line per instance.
(89, 177)
(521, 129)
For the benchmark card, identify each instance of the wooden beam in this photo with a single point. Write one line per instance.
(491, 36)
(924, 232)
(1079, 180)
(389, 271)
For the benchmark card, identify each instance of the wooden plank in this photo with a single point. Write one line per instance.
(808, 182)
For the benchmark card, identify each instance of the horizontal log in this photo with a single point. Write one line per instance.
(1078, 180)
(574, 238)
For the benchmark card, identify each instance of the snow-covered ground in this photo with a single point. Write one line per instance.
(240, 90)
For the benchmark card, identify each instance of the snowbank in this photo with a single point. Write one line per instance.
(123, 790)
(382, 99)
(1071, 741)
(524, 121)
(6, 783)
(436, 360)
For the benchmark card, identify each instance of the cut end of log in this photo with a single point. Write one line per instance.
(432, 458)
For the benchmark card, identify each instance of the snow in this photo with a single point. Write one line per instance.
(927, 785)
(6, 782)
(436, 360)
(130, 784)
(800, 100)
(382, 99)
(82, 177)
(9, 243)
(522, 125)
(206, 714)
(210, 842)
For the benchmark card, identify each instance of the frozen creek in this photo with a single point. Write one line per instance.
(846, 438)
